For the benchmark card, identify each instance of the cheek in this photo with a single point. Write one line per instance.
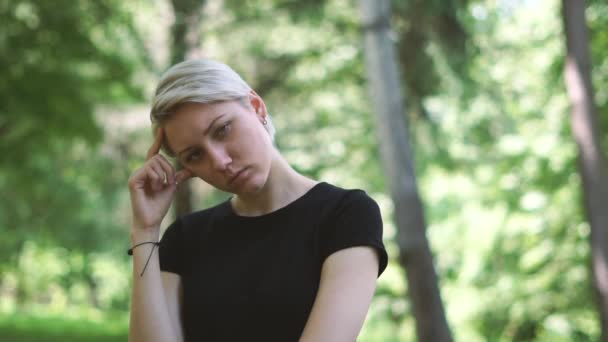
(249, 139)
(250, 142)
(263, 147)
(263, 136)
(202, 171)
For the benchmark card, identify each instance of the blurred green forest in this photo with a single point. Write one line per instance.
(489, 121)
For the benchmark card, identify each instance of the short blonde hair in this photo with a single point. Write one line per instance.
(201, 81)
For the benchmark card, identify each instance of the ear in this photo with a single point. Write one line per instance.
(259, 107)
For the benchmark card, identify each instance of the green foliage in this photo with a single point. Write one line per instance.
(507, 225)
(61, 60)
(425, 28)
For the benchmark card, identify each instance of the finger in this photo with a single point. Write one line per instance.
(183, 175)
(167, 167)
(155, 148)
(137, 179)
(154, 179)
(158, 170)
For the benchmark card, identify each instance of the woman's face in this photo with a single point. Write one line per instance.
(223, 143)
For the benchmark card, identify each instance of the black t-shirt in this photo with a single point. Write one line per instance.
(256, 278)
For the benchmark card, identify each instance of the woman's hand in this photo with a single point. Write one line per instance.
(152, 187)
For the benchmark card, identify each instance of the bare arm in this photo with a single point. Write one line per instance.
(155, 296)
(172, 284)
(155, 300)
(348, 282)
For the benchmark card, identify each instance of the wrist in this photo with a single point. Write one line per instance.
(139, 235)
(153, 244)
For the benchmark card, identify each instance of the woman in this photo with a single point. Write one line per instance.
(286, 258)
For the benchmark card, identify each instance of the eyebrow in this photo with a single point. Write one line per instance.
(205, 132)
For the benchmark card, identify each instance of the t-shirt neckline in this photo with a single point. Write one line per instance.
(231, 213)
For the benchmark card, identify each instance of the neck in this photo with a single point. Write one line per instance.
(284, 185)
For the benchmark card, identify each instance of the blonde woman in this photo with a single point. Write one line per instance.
(286, 258)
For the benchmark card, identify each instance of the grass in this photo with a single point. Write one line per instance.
(22, 327)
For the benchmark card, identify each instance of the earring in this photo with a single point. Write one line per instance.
(264, 122)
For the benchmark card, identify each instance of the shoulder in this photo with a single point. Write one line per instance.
(350, 212)
(352, 219)
(336, 200)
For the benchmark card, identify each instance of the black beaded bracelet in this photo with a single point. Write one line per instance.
(130, 252)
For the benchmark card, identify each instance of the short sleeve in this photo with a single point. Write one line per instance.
(171, 248)
(355, 221)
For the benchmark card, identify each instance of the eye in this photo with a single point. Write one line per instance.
(223, 130)
(194, 156)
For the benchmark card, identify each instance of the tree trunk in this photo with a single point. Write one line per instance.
(415, 254)
(592, 162)
(186, 44)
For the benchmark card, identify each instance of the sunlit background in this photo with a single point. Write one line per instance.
(488, 116)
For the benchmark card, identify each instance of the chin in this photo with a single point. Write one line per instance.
(254, 185)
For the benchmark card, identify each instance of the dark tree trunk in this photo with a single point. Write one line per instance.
(185, 32)
(592, 162)
(415, 254)
(186, 43)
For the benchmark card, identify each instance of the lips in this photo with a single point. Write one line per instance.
(236, 175)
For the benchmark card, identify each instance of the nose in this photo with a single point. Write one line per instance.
(219, 158)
